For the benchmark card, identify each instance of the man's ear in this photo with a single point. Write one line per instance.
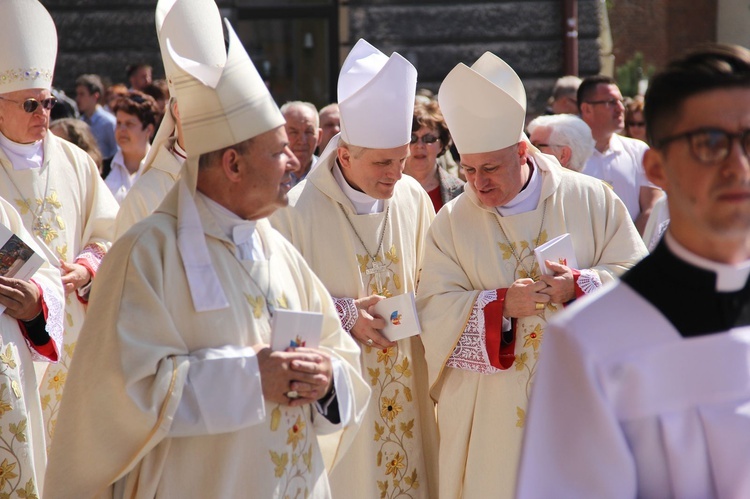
(565, 154)
(230, 164)
(653, 165)
(345, 157)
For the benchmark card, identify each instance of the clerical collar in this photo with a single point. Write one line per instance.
(528, 198)
(23, 156)
(363, 203)
(242, 232)
(729, 278)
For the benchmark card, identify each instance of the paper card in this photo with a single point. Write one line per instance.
(560, 250)
(17, 259)
(400, 315)
(294, 328)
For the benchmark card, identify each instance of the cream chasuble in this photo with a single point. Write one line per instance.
(23, 453)
(149, 190)
(481, 417)
(393, 454)
(139, 342)
(73, 212)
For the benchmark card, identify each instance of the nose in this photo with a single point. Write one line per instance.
(292, 163)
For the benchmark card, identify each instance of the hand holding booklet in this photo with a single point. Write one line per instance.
(17, 259)
(400, 315)
(294, 328)
(559, 250)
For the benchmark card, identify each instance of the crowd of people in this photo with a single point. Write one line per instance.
(183, 225)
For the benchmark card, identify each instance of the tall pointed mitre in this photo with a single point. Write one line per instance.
(28, 41)
(376, 98)
(484, 105)
(223, 101)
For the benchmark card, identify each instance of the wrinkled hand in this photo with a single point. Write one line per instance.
(21, 298)
(368, 324)
(277, 373)
(522, 297)
(318, 374)
(74, 276)
(561, 286)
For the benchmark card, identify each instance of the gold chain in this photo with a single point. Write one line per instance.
(536, 243)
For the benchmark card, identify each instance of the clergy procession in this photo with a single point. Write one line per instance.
(230, 328)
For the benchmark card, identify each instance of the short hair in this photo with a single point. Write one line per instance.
(356, 151)
(565, 85)
(79, 133)
(304, 105)
(92, 83)
(568, 130)
(712, 67)
(130, 69)
(138, 104)
(327, 108)
(588, 87)
(158, 89)
(207, 159)
(428, 114)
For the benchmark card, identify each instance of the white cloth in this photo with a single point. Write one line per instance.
(120, 180)
(23, 156)
(362, 203)
(621, 166)
(527, 199)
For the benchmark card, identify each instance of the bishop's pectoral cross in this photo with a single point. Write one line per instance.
(377, 269)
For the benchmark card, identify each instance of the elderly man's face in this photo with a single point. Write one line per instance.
(497, 176)
(303, 134)
(18, 125)
(708, 202)
(330, 125)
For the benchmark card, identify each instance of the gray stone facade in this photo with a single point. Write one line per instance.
(104, 36)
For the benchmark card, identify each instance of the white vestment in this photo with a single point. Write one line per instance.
(482, 409)
(393, 455)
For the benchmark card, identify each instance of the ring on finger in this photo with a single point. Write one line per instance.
(292, 394)
(539, 306)
(369, 342)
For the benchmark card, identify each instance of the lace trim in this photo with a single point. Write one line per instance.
(589, 281)
(347, 311)
(92, 254)
(470, 353)
(54, 326)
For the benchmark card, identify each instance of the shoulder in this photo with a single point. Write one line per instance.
(634, 147)
(409, 194)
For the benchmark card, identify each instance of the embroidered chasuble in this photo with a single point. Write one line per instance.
(141, 339)
(23, 453)
(149, 190)
(654, 404)
(480, 376)
(393, 454)
(73, 212)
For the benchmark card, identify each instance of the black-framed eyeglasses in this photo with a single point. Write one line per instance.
(426, 139)
(608, 103)
(30, 105)
(710, 145)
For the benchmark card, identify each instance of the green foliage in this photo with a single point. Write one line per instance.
(630, 73)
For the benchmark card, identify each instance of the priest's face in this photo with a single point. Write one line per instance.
(373, 171)
(709, 199)
(21, 126)
(497, 176)
(264, 168)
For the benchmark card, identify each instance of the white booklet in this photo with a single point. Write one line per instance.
(294, 328)
(559, 250)
(400, 315)
(17, 259)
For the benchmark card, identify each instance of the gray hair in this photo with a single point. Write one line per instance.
(298, 104)
(566, 85)
(568, 130)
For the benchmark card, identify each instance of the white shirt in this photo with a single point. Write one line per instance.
(621, 166)
(120, 180)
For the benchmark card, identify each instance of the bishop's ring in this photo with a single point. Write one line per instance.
(369, 342)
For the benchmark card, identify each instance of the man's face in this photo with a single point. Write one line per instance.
(604, 111)
(85, 100)
(266, 168)
(376, 171)
(141, 78)
(497, 176)
(18, 125)
(708, 203)
(330, 124)
(130, 133)
(540, 138)
(303, 135)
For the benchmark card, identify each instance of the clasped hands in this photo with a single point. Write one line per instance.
(523, 295)
(306, 371)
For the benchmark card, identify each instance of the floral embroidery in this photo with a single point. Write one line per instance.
(256, 304)
(20, 74)
(526, 255)
(293, 466)
(52, 391)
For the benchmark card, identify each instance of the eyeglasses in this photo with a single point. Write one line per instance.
(30, 105)
(635, 123)
(607, 103)
(711, 145)
(539, 146)
(425, 139)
